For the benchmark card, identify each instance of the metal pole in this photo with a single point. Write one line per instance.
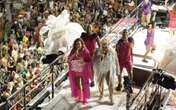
(52, 80)
(8, 12)
(24, 95)
(127, 100)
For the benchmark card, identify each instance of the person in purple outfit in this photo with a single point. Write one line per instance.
(149, 41)
(146, 12)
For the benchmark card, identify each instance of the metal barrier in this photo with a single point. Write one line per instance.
(129, 22)
(23, 96)
(153, 95)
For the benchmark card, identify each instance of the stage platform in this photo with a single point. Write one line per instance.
(63, 100)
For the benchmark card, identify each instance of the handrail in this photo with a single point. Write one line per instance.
(144, 99)
(135, 9)
(22, 91)
(129, 15)
(46, 68)
(25, 85)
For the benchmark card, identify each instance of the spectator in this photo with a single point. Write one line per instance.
(26, 39)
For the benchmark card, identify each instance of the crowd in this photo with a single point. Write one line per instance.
(22, 47)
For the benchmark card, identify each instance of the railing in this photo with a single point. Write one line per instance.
(2, 75)
(153, 95)
(129, 22)
(24, 95)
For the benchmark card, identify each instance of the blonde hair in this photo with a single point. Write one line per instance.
(174, 9)
(104, 40)
(94, 27)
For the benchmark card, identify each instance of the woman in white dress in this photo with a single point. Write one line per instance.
(105, 67)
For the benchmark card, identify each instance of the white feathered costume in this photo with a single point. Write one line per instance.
(61, 33)
(108, 63)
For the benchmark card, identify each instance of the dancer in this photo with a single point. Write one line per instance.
(91, 40)
(105, 67)
(172, 21)
(124, 52)
(79, 68)
(149, 42)
(146, 14)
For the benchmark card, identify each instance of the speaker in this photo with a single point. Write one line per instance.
(48, 59)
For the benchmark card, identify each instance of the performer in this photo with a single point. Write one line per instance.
(79, 70)
(149, 42)
(105, 67)
(172, 21)
(90, 41)
(146, 14)
(124, 52)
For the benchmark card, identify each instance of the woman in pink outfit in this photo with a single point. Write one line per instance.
(79, 70)
(172, 21)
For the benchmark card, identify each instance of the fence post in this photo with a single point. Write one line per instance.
(24, 95)
(52, 79)
(8, 12)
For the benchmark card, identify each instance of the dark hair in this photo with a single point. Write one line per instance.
(84, 35)
(74, 44)
(123, 32)
(152, 23)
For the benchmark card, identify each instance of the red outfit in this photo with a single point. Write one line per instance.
(90, 42)
(172, 20)
(124, 52)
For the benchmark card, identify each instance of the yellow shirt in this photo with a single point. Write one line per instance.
(25, 40)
